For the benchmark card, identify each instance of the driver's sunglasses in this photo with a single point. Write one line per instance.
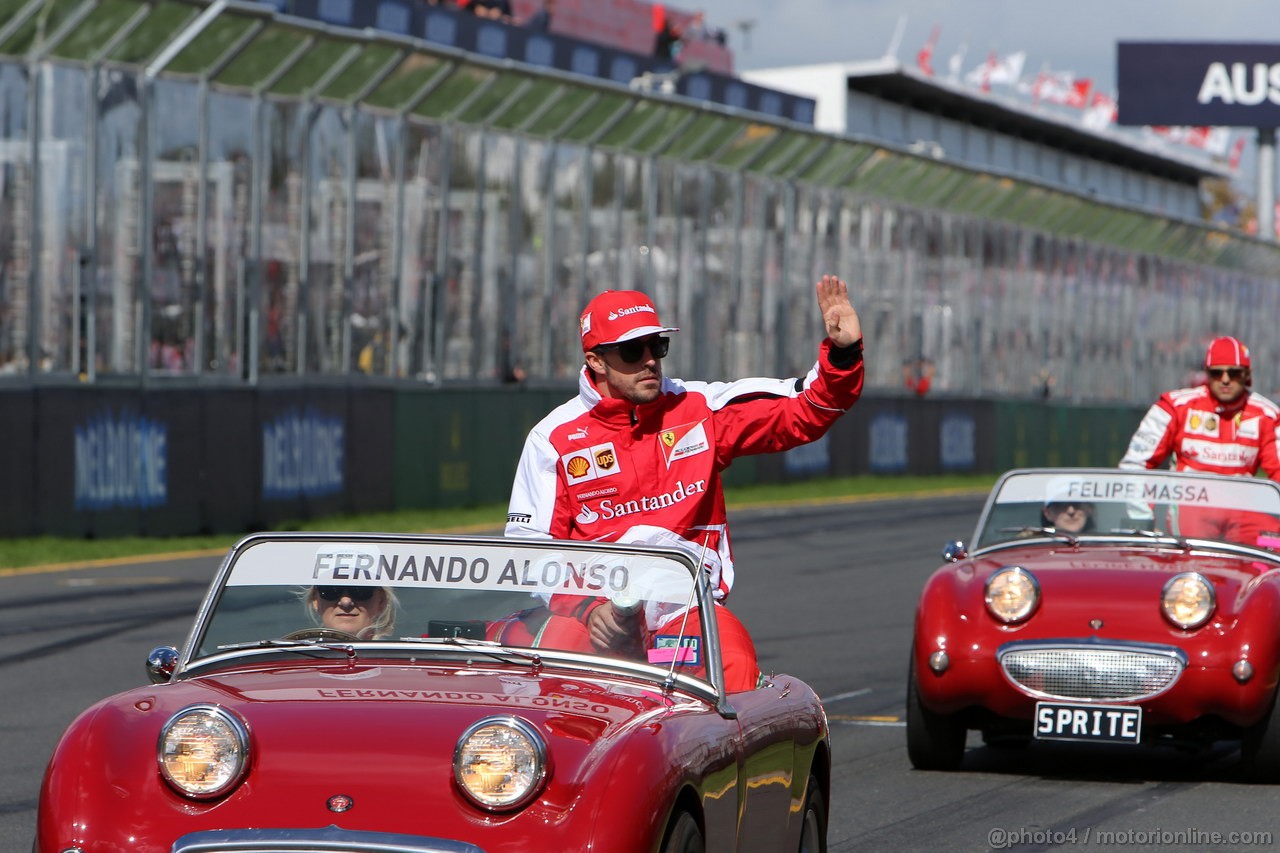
(632, 352)
(336, 593)
(1055, 508)
(1235, 374)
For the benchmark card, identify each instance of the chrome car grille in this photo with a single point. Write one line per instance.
(1104, 673)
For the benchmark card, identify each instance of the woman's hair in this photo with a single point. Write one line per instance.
(383, 625)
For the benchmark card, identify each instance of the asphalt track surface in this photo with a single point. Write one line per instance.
(829, 594)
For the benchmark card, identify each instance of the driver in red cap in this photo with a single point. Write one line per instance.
(637, 456)
(1220, 427)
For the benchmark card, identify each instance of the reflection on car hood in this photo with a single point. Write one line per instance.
(404, 718)
(1116, 579)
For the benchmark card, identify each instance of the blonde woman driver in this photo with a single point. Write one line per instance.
(363, 612)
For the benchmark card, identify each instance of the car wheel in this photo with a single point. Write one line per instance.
(934, 741)
(684, 836)
(813, 829)
(1260, 749)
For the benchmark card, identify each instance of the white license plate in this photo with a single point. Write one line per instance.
(1103, 723)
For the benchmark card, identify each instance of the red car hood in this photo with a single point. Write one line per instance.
(380, 733)
(1118, 587)
(408, 718)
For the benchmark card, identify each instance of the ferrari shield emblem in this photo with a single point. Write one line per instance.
(684, 440)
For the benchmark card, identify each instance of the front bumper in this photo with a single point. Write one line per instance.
(329, 839)
(1194, 686)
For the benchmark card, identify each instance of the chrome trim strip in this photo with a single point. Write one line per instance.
(328, 839)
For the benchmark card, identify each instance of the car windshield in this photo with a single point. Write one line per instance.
(478, 592)
(1080, 503)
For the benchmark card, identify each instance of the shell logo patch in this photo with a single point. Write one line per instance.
(1203, 423)
(582, 466)
(682, 441)
(577, 466)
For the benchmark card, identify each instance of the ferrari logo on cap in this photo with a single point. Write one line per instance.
(585, 324)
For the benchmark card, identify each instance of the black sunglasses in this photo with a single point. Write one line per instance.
(1057, 507)
(1233, 373)
(633, 351)
(336, 593)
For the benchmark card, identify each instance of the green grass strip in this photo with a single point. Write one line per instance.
(48, 550)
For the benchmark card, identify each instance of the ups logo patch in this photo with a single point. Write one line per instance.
(605, 458)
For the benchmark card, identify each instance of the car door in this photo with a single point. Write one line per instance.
(779, 726)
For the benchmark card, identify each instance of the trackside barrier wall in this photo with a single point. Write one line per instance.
(105, 462)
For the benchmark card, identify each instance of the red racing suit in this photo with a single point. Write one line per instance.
(608, 470)
(1202, 434)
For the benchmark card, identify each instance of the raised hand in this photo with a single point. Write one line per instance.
(841, 321)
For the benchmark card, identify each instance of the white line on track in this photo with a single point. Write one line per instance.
(852, 693)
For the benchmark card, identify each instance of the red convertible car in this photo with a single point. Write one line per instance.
(1107, 606)
(432, 694)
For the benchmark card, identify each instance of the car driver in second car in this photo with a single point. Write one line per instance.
(1220, 427)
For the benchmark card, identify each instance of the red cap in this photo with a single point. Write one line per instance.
(1226, 352)
(619, 315)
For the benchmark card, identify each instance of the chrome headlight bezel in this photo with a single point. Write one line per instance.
(1204, 602)
(231, 750)
(530, 759)
(1012, 594)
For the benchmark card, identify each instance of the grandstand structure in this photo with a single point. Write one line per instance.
(244, 193)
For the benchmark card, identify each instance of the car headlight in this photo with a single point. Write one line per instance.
(1012, 594)
(1187, 600)
(203, 751)
(500, 763)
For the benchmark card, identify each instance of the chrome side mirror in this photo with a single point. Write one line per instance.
(953, 551)
(161, 664)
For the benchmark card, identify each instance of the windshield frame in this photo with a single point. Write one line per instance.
(1015, 487)
(191, 662)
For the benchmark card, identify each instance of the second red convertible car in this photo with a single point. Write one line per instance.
(425, 694)
(1108, 606)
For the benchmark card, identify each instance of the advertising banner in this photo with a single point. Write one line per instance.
(1198, 83)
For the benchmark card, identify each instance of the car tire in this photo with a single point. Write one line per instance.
(813, 824)
(1260, 749)
(684, 836)
(934, 741)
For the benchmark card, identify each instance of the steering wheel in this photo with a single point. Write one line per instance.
(332, 635)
